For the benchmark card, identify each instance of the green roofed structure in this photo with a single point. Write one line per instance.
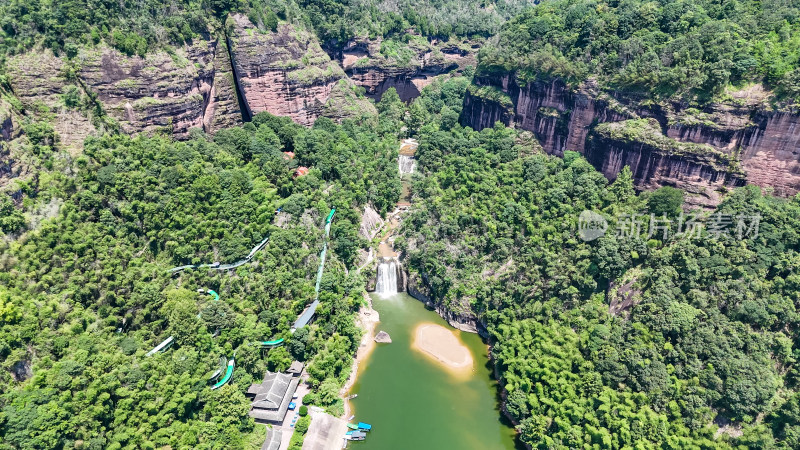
(226, 377)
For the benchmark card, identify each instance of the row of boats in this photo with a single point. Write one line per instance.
(357, 432)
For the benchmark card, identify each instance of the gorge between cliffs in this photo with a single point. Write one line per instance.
(460, 224)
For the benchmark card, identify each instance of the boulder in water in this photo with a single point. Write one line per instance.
(383, 338)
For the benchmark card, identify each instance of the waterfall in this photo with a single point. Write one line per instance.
(387, 278)
(406, 164)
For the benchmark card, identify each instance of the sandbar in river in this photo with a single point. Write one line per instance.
(443, 346)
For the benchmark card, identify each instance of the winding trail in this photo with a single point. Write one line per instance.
(217, 266)
(303, 319)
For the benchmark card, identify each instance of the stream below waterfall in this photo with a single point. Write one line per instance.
(412, 401)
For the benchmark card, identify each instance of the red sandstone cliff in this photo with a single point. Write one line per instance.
(163, 92)
(764, 140)
(285, 72)
(377, 67)
(193, 86)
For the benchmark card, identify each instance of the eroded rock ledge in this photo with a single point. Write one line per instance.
(287, 73)
(189, 87)
(373, 65)
(197, 85)
(763, 140)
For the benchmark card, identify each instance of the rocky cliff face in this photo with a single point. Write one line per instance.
(163, 92)
(371, 223)
(461, 318)
(38, 80)
(194, 86)
(285, 72)
(189, 87)
(764, 141)
(377, 71)
(8, 120)
(657, 160)
(223, 107)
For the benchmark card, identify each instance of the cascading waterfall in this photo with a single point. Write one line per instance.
(406, 164)
(387, 278)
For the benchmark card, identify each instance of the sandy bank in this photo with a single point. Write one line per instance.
(444, 346)
(367, 319)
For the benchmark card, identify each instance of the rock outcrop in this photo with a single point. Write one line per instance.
(286, 72)
(39, 81)
(377, 68)
(383, 338)
(223, 107)
(6, 128)
(193, 86)
(657, 160)
(458, 316)
(763, 140)
(164, 92)
(21, 370)
(371, 223)
(9, 124)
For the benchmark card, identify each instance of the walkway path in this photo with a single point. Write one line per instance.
(302, 390)
(325, 433)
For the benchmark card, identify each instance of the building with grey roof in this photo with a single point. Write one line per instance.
(272, 396)
(296, 369)
(305, 317)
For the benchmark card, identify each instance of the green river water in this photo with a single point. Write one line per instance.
(414, 403)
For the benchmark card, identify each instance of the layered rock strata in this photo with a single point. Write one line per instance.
(164, 92)
(287, 73)
(377, 67)
(762, 140)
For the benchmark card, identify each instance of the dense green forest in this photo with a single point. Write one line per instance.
(86, 293)
(622, 342)
(139, 27)
(664, 48)
(645, 340)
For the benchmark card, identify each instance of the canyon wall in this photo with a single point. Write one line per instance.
(164, 92)
(223, 109)
(762, 141)
(38, 80)
(286, 72)
(657, 160)
(8, 122)
(458, 316)
(378, 68)
(169, 92)
(198, 85)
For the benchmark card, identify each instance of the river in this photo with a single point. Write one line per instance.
(414, 403)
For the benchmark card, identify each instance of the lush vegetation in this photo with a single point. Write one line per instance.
(139, 27)
(647, 340)
(339, 21)
(132, 27)
(85, 292)
(619, 342)
(666, 48)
